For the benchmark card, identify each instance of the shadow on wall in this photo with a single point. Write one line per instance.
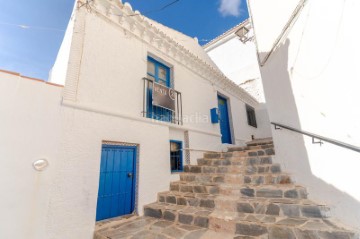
(290, 147)
(262, 118)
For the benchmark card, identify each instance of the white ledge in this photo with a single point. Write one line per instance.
(110, 112)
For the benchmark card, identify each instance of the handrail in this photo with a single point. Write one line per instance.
(319, 137)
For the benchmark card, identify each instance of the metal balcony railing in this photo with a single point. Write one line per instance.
(157, 112)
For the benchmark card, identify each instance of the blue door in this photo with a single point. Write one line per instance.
(116, 195)
(224, 120)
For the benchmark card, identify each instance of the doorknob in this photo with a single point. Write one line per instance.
(129, 175)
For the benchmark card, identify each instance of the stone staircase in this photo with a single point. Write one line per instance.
(244, 193)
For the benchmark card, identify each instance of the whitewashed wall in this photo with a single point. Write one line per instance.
(311, 82)
(74, 192)
(238, 61)
(30, 129)
(102, 100)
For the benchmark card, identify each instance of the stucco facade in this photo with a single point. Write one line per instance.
(101, 63)
(307, 52)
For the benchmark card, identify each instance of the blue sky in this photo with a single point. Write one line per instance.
(31, 31)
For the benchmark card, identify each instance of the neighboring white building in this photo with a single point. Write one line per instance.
(308, 55)
(236, 57)
(234, 52)
(104, 113)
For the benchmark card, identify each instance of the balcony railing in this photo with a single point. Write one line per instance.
(157, 112)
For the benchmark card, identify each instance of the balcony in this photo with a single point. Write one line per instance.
(163, 104)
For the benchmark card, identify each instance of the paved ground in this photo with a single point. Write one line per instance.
(150, 228)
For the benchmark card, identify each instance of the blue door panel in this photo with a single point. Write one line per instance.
(130, 165)
(117, 161)
(107, 207)
(116, 183)
(122, 202)
(103, 162)
(224, 120)
(116, 195)
(114, 206)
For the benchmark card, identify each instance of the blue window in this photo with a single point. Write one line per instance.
(176, 160)
(159, 73)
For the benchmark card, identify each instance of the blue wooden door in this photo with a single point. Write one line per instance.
(116, 195)
(224, 120)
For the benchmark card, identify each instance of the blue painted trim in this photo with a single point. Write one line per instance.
(181, 156)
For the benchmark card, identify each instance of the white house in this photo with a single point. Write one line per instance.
(234, 52)
(307, 52)
(135, 94)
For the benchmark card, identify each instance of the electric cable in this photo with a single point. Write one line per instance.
(150, 11)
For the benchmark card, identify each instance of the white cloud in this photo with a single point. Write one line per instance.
(230, 7)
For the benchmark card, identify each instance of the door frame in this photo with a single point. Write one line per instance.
(136, 147)
(231, 128)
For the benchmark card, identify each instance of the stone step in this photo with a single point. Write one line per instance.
(234, 169)
(256, 142)
(284, 208)
(194, 187)
(238, 179)
(231, 169)
(200, 200)
(235, 161)
(248, 225)
(212, 178)
(213, 169)
(273, 227)
(230, 189)
(263, 191)
(208, 188)
(180, 214)
(251, 152)
(275, 207)
(245, 148)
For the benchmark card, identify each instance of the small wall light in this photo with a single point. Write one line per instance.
(243, 34)
(40, 164)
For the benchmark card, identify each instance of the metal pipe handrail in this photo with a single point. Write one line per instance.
(319, 137)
